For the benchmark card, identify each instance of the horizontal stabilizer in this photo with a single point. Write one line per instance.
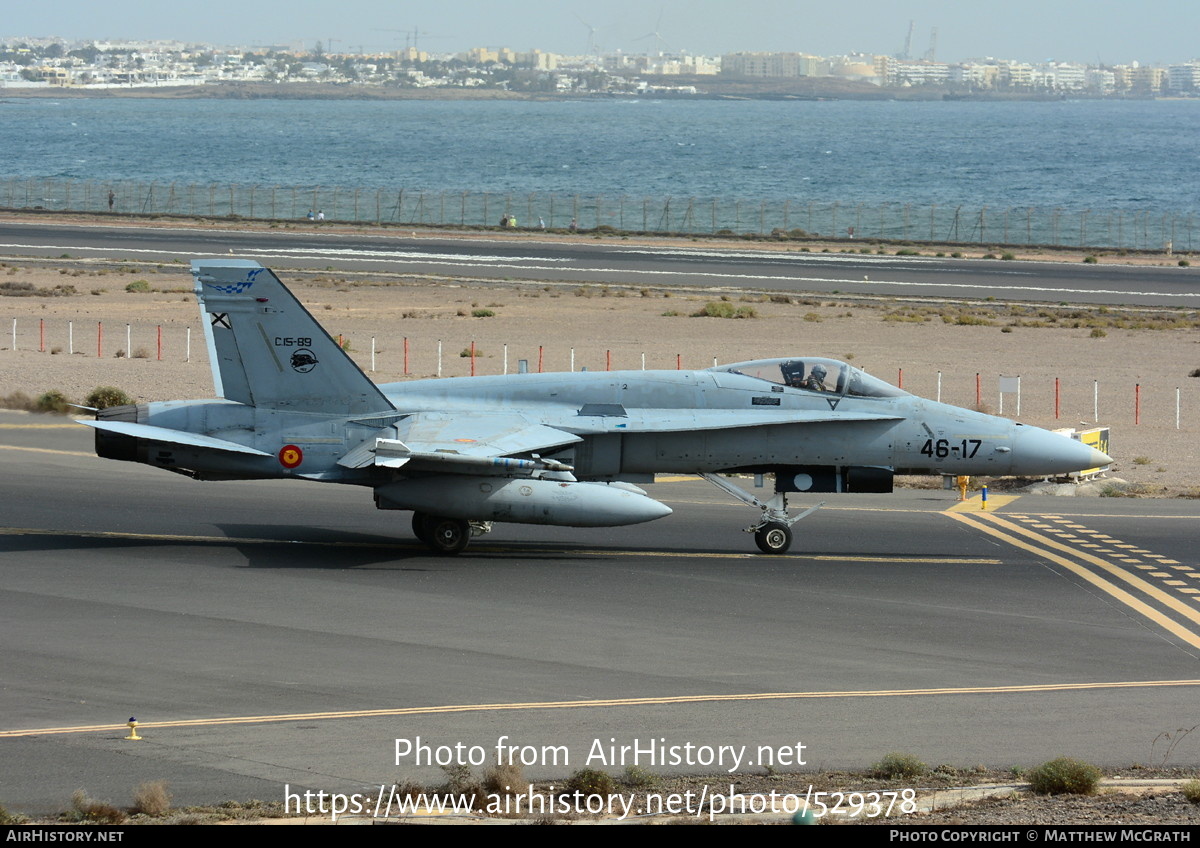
(171, 437)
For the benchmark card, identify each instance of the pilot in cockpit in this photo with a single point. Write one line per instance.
(793, 374)
(816, 379)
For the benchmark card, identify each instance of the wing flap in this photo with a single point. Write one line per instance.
(478, 442)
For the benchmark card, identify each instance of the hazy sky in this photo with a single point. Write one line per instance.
(1152, 31)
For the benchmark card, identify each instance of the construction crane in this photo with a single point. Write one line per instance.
(931, 53)
(906, 53)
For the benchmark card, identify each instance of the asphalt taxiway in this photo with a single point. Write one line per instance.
(270, 634)
(530, 256)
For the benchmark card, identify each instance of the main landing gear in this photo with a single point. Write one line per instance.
(447, 536)
(772, 534)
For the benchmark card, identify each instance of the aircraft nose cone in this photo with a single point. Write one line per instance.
(1039, 452)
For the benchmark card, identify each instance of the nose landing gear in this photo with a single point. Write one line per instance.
(773, 533)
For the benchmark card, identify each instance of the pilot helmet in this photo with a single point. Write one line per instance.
(819, 371)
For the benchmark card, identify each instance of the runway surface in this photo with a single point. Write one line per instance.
(529, 257)
(270, 634)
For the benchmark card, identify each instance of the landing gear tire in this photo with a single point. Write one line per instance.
(448, 536)
(420, 527)
(773, 538)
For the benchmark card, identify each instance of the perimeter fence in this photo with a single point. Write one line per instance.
(893, 221)
(1156, 402)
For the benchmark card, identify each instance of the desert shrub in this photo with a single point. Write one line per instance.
(1191, 791)
(18, 400)
(637, 777)
(505, 779)
(1183, 263)
(1090, 260)
(152, 798)
(1195, 372)
(141, 353)
(715, 309)
(723, 309)
(138, 287)
(53, 401)
(1064, 776)
(897, 765)
(969, 321)
(482, 313)
(10, 818)
(460, 781)
(1008, 257)
(1097, 333)
(89, 809)
(408, 789)
(812, 317)
(590, 782)
(103, 397)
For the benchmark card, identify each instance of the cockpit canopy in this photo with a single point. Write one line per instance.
(815, 374)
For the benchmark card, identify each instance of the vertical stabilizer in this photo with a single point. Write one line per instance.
(266, 349)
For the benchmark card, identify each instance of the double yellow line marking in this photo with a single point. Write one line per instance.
(1112, 579)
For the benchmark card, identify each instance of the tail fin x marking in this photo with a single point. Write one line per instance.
(268, 351)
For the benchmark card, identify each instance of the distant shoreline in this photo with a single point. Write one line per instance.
(776, 90)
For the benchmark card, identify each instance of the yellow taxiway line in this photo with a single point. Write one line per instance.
(1108, 581)
(72, 426)
(48, 450)
(114, 535)
(607, 702)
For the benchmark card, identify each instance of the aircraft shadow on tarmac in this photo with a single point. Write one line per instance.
(290, 546)
(263, 546)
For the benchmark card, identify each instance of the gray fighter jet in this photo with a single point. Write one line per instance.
(559, 448)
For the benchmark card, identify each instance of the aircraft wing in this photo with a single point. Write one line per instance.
(462, 441)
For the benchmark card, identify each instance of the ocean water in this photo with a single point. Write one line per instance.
(1072, 155)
